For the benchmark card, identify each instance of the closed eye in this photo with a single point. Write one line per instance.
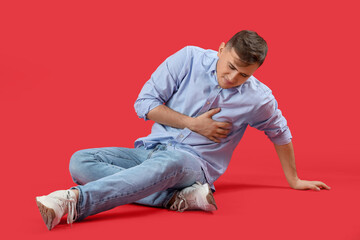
(232, 67)
(243, 74)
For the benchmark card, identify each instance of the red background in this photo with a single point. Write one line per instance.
(71, 71)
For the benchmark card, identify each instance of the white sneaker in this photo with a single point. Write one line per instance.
(195, 197)
(55, 205)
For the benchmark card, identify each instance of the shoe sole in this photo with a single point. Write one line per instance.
(211, 200)
(47, 214)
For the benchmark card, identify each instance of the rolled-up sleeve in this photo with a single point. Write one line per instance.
(163, 83)
(268, 118)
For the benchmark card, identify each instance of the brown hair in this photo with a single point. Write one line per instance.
(249, 46)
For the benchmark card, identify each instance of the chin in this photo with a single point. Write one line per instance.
(225, 86)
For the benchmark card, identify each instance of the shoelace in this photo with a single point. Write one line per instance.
(71, 207)
(180, 199)
(71, 204)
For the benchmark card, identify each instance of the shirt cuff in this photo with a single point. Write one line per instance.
(282, 138)
(144, 106)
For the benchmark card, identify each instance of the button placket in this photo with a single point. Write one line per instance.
(213, 95)
(182, 135)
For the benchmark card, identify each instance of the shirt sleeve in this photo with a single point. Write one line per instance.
(268, 118)
(163, 82)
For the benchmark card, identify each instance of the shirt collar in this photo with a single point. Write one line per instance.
(212, 67)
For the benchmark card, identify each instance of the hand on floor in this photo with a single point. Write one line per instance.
(312, 185)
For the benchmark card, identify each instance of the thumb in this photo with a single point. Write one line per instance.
(212, 112)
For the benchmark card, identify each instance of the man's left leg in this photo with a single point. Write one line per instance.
(153, 182)
(92, 164)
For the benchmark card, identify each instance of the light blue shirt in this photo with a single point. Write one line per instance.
(187, 83)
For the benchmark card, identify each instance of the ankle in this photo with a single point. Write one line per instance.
(172, 200)
(76, 192)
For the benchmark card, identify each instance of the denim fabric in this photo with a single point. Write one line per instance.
(113, 176)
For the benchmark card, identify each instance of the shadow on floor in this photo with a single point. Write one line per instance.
(225, 187)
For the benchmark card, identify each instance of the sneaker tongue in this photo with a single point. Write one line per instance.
(62, 205)
(62, 197)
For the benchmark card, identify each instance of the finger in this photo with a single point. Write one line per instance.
(212, 112)
(220, 135)
(314, 187)
(224, 125)
(222, 131)
(214, 139)
(323, 185)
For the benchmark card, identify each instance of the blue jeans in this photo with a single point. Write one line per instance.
(113, 176)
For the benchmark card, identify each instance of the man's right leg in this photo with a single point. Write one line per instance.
(102, 192)
(162, 174)
(92, 164)
(86, 166)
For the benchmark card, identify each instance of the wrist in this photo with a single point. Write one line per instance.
(293, 182)
(190, 123)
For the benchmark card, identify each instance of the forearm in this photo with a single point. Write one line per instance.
(203, 124)
(287, 159)
(165, 115)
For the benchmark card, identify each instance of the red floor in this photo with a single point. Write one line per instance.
(249, 208)
(71, 71)
(254, 203)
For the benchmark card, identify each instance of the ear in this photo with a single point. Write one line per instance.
(221, 49)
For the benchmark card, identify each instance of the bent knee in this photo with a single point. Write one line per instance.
(77, 161)
(173, 164)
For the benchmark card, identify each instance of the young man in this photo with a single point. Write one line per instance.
(201, 102)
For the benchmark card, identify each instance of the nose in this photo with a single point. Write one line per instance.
(232, 76)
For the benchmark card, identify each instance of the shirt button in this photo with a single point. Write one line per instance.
(207, 102)
(218, 86)
(181, 136)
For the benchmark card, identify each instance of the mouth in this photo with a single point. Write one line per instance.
(227, 82)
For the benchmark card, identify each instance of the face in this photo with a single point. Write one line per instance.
(231, 71)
